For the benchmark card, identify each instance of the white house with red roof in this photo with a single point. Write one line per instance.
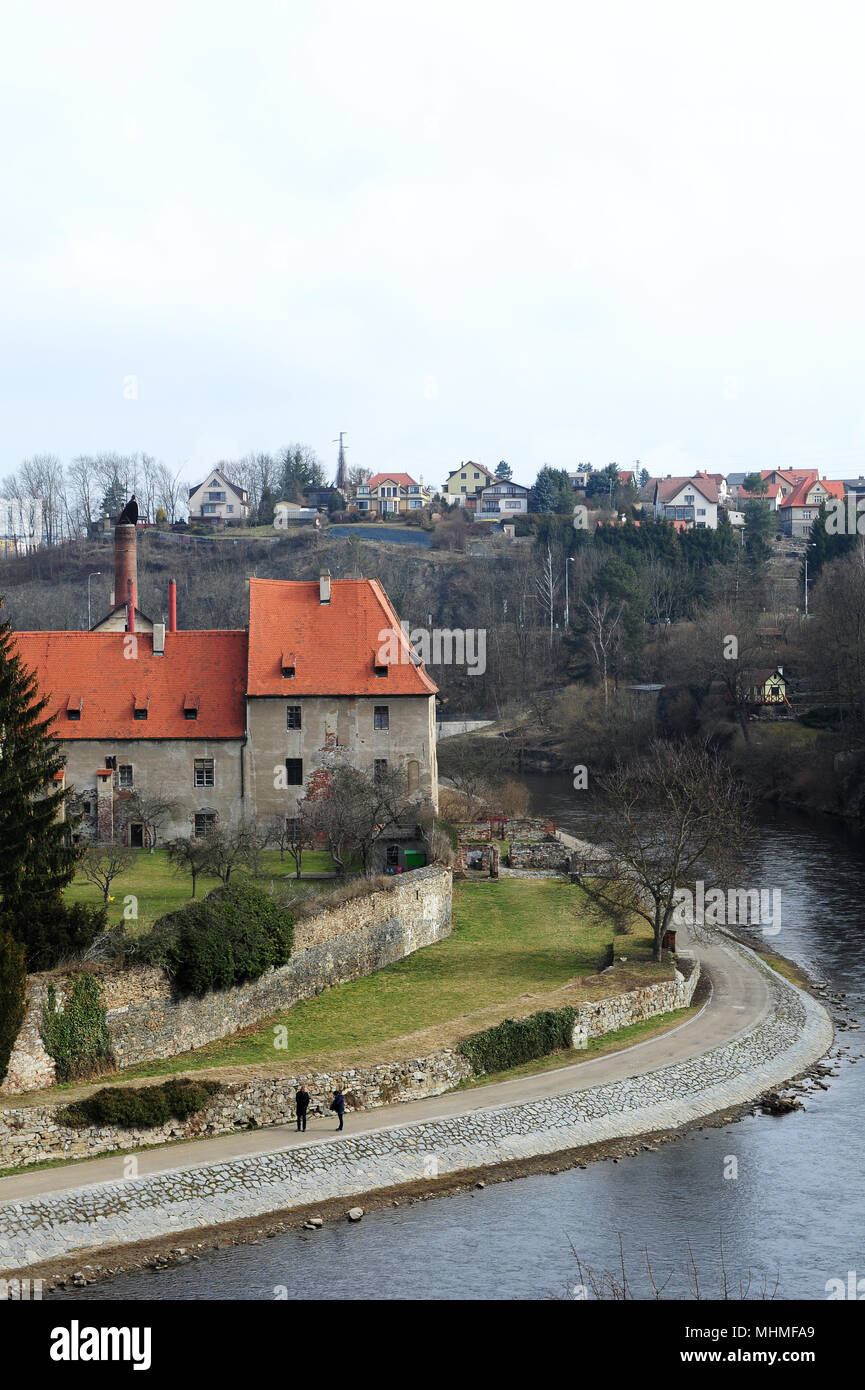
(391, 492)
(218, 499)
(692, 501)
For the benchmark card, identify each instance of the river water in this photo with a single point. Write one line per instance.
(792, 1218)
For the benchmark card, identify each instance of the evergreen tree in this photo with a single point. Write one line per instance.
(503, 471)
(758, 527)
(543, 498)
(38, 857)
(115, 498)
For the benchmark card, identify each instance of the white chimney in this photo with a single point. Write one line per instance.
(324, 586)
(159, 639)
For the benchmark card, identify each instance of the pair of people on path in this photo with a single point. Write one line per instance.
(301, 1103)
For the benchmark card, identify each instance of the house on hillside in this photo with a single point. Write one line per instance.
(391, 492)
(466, 483)
(292, 513)
(693, 501)
(218, 499)
(501, 499)
(798, 510)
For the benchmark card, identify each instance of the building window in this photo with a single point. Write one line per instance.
(205, 824)
(701, 511)
(230, 507)
(294, 772)
(381, 717)
(288, 673)
(139, 714)
(463, 489)
(292, 717)
(379, 769)
(204, 773)
(73, 714)
(124, 775)
(208, 508)
(380, 670)
(190, 712)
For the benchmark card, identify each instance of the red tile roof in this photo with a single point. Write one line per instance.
(335, 644)
(797, 498)
(93, 667)
(668, 488)
(402, 478)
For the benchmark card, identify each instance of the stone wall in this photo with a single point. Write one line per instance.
(794, 1031)
(542, 854)
(32, 1134)
(339, 943)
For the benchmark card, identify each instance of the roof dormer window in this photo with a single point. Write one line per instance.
(140, 706)
(380, 670)
(74, 706)
(190, 706)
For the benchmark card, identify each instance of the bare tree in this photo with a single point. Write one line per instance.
(675, 814)
(604, 634)
(234, 846)
(152, 810)
(102, 864)
(169, 491)
(189, 854)
(353, 808)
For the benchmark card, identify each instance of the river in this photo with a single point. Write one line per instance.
(792, 1217)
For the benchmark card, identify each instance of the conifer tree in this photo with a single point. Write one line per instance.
(38, 857)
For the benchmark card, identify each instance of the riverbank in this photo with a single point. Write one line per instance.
(714, 1065)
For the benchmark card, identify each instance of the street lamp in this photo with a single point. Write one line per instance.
(94, 575)
(807, 544)
(571, 560)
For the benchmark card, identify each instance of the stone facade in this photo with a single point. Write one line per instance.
(339, 943)
(541, 854)
(344, 722)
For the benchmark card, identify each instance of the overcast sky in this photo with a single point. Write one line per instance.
(540, 232)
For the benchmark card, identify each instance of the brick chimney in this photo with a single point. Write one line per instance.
(125, 562)
(172, 605)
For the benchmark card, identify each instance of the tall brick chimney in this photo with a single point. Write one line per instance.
(125, 562)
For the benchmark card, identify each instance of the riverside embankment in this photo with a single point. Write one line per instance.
(756, 1031)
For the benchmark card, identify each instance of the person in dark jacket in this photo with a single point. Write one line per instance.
(338, 1106)
(301, 1105)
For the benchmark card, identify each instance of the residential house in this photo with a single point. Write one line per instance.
(292, 513)
(798, 510)
(501, 500)
(693, 501)
(768, 686)
(391, 492)
(20, 524)
(466, 484)
(218, 499)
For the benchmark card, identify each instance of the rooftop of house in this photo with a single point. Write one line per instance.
(403, 479)
(668, 488)
(332, 646)
(91, 673)
(478, 467)
(798, 497)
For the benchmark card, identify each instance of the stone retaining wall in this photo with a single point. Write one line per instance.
(340, 943)
(32, 1133)
(793, 1033)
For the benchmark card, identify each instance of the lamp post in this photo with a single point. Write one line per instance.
(570, 560)
(807, 544)
(94, 575)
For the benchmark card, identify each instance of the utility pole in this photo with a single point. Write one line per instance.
(341, 470)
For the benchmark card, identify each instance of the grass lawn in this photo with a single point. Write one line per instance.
(160, 889)
(515, 944)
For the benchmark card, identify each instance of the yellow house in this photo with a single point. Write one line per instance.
(466, 483)
(391, 492)
(767, 687)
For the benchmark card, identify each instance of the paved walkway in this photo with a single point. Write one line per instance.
(739, 1002)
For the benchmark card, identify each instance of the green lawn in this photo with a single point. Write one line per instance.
(512, 941)
(160, 889)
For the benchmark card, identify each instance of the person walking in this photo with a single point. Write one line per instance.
(338, 1106)
(301, 1105)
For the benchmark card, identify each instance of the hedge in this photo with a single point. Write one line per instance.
(511, 1043)
(141, 1107)
(232, 936)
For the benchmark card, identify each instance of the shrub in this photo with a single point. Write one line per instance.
(76, 1035)
(234, 935)
(511, 1043)
(13, 996)
(141, 1107)
(52, 930)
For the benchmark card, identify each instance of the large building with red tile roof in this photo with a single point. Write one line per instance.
(391, 492)
(798, 510)
(216, 725)
(693, 501)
